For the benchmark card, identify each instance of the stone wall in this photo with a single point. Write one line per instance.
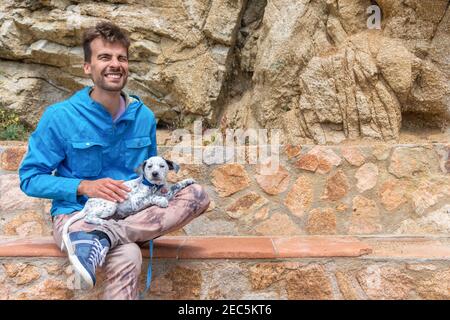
(394, 198)
(377, 189)
(310, 68)
(350, 279)
(317, 190)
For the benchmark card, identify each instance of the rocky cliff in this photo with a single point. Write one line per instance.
(312, 68)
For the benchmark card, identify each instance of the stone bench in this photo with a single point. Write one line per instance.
(212, 247)
(299, 267)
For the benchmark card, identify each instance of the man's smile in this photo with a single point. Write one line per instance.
(113, 75)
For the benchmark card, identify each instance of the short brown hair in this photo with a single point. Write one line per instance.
(107, 31)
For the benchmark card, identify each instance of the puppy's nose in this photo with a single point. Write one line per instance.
(154, 174)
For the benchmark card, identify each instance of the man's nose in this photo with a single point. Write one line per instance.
(114, 63)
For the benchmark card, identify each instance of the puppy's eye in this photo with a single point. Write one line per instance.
(149, 166)
(162, 166)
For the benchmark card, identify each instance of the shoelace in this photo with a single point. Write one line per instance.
(98, 254)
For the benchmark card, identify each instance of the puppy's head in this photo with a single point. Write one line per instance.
(155, 169)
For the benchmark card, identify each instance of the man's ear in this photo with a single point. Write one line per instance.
(87, 68)
(140, 170)
(172, 165)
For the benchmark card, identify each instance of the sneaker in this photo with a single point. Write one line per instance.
(86, 252)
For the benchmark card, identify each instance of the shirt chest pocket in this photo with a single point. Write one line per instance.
(87, 158)
(136, 151)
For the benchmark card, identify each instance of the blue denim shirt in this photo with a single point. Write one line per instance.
(76, 140)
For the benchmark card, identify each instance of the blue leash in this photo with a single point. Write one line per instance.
(149, 271)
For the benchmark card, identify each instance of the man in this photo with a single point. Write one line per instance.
(93, 142)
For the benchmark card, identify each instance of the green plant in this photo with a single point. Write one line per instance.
(14, 132)
(10, 127)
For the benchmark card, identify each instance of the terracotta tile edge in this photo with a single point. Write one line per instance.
(410, 248)
(204, 248)
(292, 247)
(357, 247)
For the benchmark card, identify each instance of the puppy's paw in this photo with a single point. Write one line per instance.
(162, 202)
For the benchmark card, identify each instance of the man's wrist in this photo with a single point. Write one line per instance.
(80, 190)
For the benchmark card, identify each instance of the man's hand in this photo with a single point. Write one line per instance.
(108, 189)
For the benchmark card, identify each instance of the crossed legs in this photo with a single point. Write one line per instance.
(123, 262)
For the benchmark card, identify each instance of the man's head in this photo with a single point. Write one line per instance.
(106, 56)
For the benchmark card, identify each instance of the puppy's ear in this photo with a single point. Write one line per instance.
(140, 170)
(173, 165)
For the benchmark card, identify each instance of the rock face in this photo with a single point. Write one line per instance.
(331, 78)
(179, 54)
(310, 68)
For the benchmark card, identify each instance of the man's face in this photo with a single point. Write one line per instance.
(108, 67)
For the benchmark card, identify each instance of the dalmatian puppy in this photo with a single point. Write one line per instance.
(146, 190)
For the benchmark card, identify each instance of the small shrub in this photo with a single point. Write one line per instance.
(11, 128)
(14, 132)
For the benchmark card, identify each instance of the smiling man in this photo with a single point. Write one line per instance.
(87, 146)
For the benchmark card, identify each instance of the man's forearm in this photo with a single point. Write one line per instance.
(51, 187)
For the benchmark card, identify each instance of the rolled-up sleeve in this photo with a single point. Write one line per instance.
(46, 150)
